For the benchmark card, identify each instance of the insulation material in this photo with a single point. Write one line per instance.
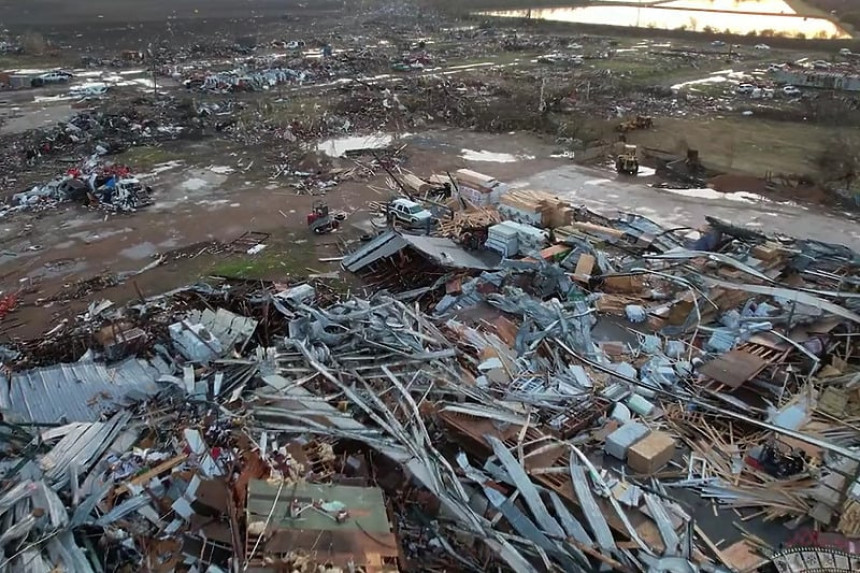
(619, 442)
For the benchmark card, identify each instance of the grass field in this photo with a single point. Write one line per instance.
(278, 259)
(747, 145)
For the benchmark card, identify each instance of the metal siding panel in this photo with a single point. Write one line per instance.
(67, 391)
(385, 245)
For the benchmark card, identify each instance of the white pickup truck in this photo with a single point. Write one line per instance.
(409, 213)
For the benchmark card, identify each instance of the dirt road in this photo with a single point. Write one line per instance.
(603, 190)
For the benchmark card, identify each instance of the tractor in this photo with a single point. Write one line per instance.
(320, 221)
(627, 162)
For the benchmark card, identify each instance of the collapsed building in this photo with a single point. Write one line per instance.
(596, 392)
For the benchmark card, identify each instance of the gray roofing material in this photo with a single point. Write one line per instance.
(444, 252)
(79, 392)
(228, 327)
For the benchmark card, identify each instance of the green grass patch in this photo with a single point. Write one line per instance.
(297, 106)
(147, 157)
(273, 263)
(639, 67)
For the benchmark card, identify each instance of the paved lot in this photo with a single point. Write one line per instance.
(606, 192)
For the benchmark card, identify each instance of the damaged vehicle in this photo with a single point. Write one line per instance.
(121, 192)
(55, 77)
(88, 91)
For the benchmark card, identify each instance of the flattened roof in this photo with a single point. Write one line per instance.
(444, 252)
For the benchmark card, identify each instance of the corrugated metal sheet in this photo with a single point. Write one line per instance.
(599, 526)
(382, 246)
(79, 392)
(443, 252)
(81, 448)
(527, 489)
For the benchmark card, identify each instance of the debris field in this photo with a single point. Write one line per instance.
(411, 356)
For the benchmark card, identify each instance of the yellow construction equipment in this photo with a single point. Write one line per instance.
(627, 161)
(638, 122)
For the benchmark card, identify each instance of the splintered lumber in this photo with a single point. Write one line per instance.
(143, 478)
(710, 544)
(463, 220)
(614, 304)
(592, 229)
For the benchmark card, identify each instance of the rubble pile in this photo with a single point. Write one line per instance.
(568, 405)
(506, 382)
(96, 183)
(264, 72)
(104, 132)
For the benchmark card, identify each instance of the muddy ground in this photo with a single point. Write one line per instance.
(476, 106)
(201, 203)
(203, 198)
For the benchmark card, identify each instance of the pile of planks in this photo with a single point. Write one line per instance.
(472, 217)
(539, 207)
(739, 484)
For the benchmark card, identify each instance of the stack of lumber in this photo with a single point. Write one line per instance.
(461, 220)
(478, 188)
(441, 179)
(475, 180)
(537, 208)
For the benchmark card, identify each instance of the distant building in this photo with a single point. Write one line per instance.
(16, 81)
(818, 79)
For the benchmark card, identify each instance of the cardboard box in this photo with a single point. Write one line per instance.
(623, 284)
(651, 453)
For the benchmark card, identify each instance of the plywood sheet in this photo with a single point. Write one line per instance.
(734, 368)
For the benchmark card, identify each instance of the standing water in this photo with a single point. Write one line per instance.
(761, 17)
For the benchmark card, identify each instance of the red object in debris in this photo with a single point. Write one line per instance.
(754, 463)
(8, 304)
(119, 171)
